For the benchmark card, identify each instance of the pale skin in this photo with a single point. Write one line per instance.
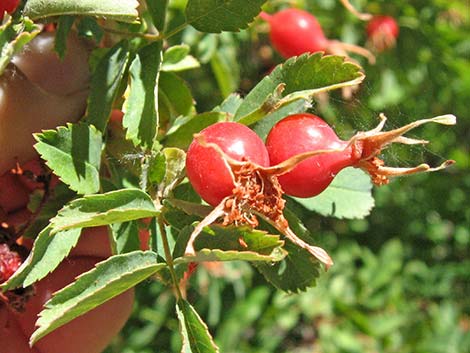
(90, 333)
(39, 91)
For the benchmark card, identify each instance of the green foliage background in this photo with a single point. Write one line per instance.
(401, 279)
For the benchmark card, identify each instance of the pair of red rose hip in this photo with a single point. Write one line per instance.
(301, 150)
(211, 177)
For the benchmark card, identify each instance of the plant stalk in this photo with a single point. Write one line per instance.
(169, 259)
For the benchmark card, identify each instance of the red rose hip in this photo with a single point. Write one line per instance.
(316, 154)
(294, 32)
(302, 133)
(207, 171)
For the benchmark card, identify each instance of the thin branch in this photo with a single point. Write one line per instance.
(169, 258)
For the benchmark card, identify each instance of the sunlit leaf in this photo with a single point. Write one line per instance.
(13, 36)
(74, 154)
(108, 279)
(47, 253)
(231, 243)
(113, 207)
(348, 196)
(123, 10)
(140, 112)
(299, 78)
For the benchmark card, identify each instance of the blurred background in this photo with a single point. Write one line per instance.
(401, 279)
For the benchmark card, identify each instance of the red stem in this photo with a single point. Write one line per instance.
(265, 16)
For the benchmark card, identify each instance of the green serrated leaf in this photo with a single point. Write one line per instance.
(123, 10)
(74, 154)
(177, 58)
(47, 253)
(215, 16)
(13, 36)
(348, 196)
(113, 207)
(105, 83)
(140, 112)
(108, 279)
(299, 269)
(230, 243)
(63, 28)
(181, 134)
(299, 78)
(195, 333)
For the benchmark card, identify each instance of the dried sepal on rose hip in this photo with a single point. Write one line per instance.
(301, 133)
(371, 143)
(360, 15)
(227, 164)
